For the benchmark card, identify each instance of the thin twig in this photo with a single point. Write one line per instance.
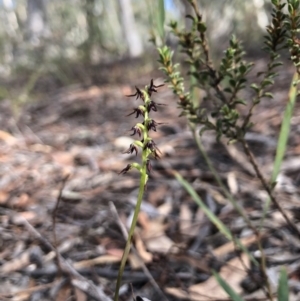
(54, 213)
(77, 280)
(208, 62)
(27, 291)
(267, 290)
(229, 196)
(267, 186)
(240, 211)
(144, 268)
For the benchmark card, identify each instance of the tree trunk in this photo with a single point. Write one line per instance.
(36, 20)
(133, 39)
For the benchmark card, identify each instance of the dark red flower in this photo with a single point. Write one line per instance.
(153, 106)
(154, 149)
(149, 166)
(125, 170)
(155, 154)
(138, 93)
(152, 124)
(138, 112)
(132, 148)
(150, 145)
(153, 88)
(136, 130)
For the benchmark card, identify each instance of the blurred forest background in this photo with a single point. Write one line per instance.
(65, 67)
(62, 39)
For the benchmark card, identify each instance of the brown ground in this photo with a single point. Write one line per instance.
(81, 131)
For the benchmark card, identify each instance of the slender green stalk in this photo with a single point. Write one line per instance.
(219, 180)
(282, 140)
(148, 148)
(285, 128)
(132, 228)
(161, 20)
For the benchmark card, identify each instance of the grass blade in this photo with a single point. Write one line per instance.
(211, 216)
(283, 287)
(227, 288)
(285, 128)
(283, 138)
(161, 19)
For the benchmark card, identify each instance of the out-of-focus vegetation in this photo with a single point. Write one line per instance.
(219, 110)
(42, 37)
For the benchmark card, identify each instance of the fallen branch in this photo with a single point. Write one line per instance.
(76, 279)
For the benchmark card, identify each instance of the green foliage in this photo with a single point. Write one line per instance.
(222, 84)
(175, 78)
(223, 89)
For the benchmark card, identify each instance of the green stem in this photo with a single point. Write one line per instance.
(133, 224)
(218, 179)
(238, 208)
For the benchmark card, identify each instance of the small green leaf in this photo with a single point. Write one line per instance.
(228, 90)
(240, 101)
(190, 17)
(204, 129)
(242, 69)
(282, 5)
(255, 88)
(268, 94)
(173, 24)
(201, 27)
(242, 80)
(267, 82)
(277, 64)
(290, 9)
(232, 82)
(296, 4)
